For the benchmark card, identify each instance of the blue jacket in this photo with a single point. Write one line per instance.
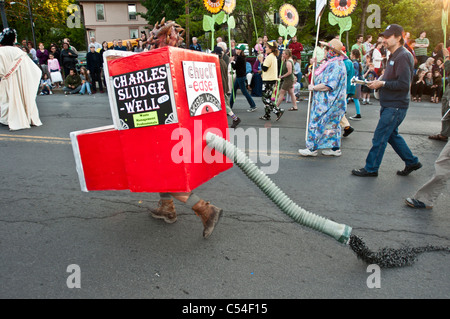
(351, 89)
(196, 47)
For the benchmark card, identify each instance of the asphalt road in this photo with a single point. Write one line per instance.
(47, 223)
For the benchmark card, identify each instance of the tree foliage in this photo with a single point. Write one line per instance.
(49, 19)
(413, 15)
(158, 9)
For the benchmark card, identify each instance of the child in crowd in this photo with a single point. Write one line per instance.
(46, 85)
(436, 88)
(308, 71)
(355, 56)
(25, 49)
(428, 83)
(55, 70)
(369, 75)
(85, 81)
(297, 70)
(418, 85)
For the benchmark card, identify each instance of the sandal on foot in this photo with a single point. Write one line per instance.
(293, 109)
(414, 203)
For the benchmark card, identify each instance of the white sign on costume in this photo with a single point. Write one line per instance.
(202, 87)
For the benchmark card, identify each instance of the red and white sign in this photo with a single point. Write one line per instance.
(145, 158)
(202, 87)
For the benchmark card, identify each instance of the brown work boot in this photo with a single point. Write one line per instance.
(209, 215)
(165, 210)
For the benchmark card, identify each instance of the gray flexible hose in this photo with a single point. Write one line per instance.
(340, 232)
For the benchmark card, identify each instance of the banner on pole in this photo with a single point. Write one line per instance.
(320, 4)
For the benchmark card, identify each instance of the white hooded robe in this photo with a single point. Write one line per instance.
(20, 78)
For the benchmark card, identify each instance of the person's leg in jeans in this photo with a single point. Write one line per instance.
(83, 88)
(76, 90)
(390, 119)
(242, 86)
(88, 87)
(401, 148)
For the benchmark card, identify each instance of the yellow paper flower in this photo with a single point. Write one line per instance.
(229, 6)
(213, 6)
(342, 8)
(289, 15)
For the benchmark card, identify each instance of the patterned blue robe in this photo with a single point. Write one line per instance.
(328, 107)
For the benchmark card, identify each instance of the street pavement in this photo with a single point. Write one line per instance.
(256, 251)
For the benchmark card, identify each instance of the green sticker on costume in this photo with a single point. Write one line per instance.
(145, 119)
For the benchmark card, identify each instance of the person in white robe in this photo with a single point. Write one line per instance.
(19, 84)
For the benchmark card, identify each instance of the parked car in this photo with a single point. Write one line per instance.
(134, 43)
(81, 60)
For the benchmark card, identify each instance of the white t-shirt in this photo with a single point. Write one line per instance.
(377, 58)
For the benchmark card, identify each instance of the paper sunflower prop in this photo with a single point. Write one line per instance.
(289, 15)
(342, 8)
(229, 6)
(213, 6)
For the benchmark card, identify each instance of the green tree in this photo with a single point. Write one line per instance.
(413, 15)
(158, 9)
(49, 19)
(427, 13)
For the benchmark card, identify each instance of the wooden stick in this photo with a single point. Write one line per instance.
(312, 80)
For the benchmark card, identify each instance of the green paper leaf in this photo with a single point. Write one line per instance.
(345, 24)
(219, 18)
(231, 22)
(282, 30)
(208, 23)
(332, 19)
(291, 31)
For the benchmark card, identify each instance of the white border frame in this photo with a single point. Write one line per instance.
(110, 86)
(77, 154)
(111, 91)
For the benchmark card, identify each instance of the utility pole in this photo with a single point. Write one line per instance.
(187, 24)
(2, 11)
(28, 5)
(32, 23)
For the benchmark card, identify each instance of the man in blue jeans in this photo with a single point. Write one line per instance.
(394, 100)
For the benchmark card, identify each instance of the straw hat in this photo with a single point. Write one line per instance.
(335, 45)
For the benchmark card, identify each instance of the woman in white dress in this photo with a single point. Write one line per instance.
(20, 78)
